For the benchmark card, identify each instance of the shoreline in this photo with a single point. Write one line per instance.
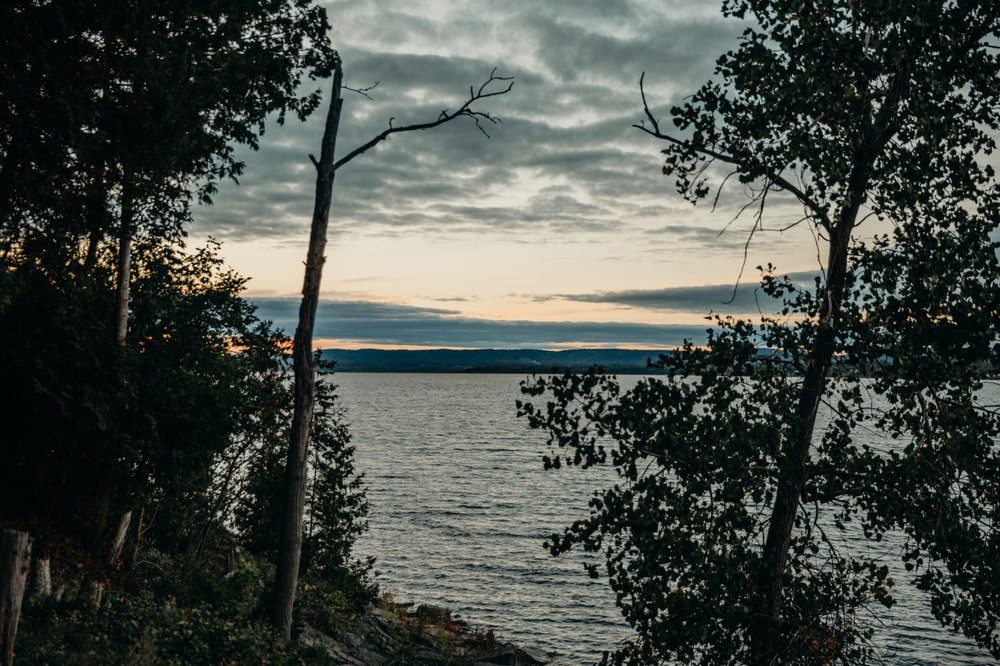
(389, 632)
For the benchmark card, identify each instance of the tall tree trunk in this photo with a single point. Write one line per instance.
(770, 580)
(118, 540)
(290, 538)
(15, 560)
(104, 490)
(40, 580)
(133, 554)
(124, 262)
(90, 259)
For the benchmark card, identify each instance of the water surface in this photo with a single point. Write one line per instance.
(460, 506)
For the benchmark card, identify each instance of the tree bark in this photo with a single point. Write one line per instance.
(118, 541)
(40, 587)
(15, 560)
(133, 555)
(124, 262)
(104, 490)
(770, 579)
(290, 539)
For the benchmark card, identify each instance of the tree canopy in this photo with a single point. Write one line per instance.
(742, 472)
(151, 98)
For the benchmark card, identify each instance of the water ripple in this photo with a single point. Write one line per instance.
(460, 507)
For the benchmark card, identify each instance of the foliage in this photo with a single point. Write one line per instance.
(113, 121)
(142, 100)
(164, 409)
(180, 615)
(854, 109)
(197, 414)
(336, 504)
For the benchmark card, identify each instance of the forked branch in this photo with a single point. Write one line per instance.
(494, 86)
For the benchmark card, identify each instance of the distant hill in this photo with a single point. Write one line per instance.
(618, 361)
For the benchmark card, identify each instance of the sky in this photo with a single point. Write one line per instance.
(557, 231)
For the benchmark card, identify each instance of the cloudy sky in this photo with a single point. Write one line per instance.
(557, 231)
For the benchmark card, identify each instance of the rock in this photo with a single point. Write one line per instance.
(354, 652)
(512, 655)
(429, 613)
(427, 635)
(534, 655)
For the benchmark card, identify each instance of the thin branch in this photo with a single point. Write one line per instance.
(718, 192)
(757, 224)
(466, 110)
(775, 178)
(362, 91)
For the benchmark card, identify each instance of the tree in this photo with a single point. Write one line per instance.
(115, 121)
(164, 411)
(721, 538)
(290, 548)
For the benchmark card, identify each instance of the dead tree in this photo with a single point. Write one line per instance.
(15, 560)
(40, 581)
(290, 535)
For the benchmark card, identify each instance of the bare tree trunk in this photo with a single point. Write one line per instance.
(105, 485)
(133, 555)
(124, 262)
(118, 541)
(95, 593)
(15, 560)
(40, 587)
(290, 537)
(91, 258)
(98, 519)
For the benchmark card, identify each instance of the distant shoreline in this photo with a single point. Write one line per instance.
(496, 371)
(494, 361)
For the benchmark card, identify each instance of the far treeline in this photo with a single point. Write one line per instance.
(154, 446)
(538, 361)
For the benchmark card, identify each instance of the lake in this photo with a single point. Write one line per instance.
(460, 506)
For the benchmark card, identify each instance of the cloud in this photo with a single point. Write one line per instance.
(567, 123)
(744, 298)
(372, 323)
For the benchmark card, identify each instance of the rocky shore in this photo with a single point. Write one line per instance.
(391, 633)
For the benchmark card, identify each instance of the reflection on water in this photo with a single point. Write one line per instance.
(460, 506)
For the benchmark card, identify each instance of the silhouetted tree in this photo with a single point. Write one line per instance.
(116, 119)
(290, 548)
(716, 537)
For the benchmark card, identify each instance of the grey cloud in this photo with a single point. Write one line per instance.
(745, 297)
(368, 322)
(572, 52)
(567, 119)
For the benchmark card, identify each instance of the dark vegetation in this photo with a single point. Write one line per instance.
(169, 484)
(145, 407)
(723, 538)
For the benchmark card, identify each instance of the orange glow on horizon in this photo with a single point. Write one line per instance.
(332, 343)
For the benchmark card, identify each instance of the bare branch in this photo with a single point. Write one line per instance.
(718, 192)
(758, 223)
(775, 178)
(363, 91)
(494, 86)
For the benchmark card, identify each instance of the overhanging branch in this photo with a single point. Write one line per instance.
(774, 178)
